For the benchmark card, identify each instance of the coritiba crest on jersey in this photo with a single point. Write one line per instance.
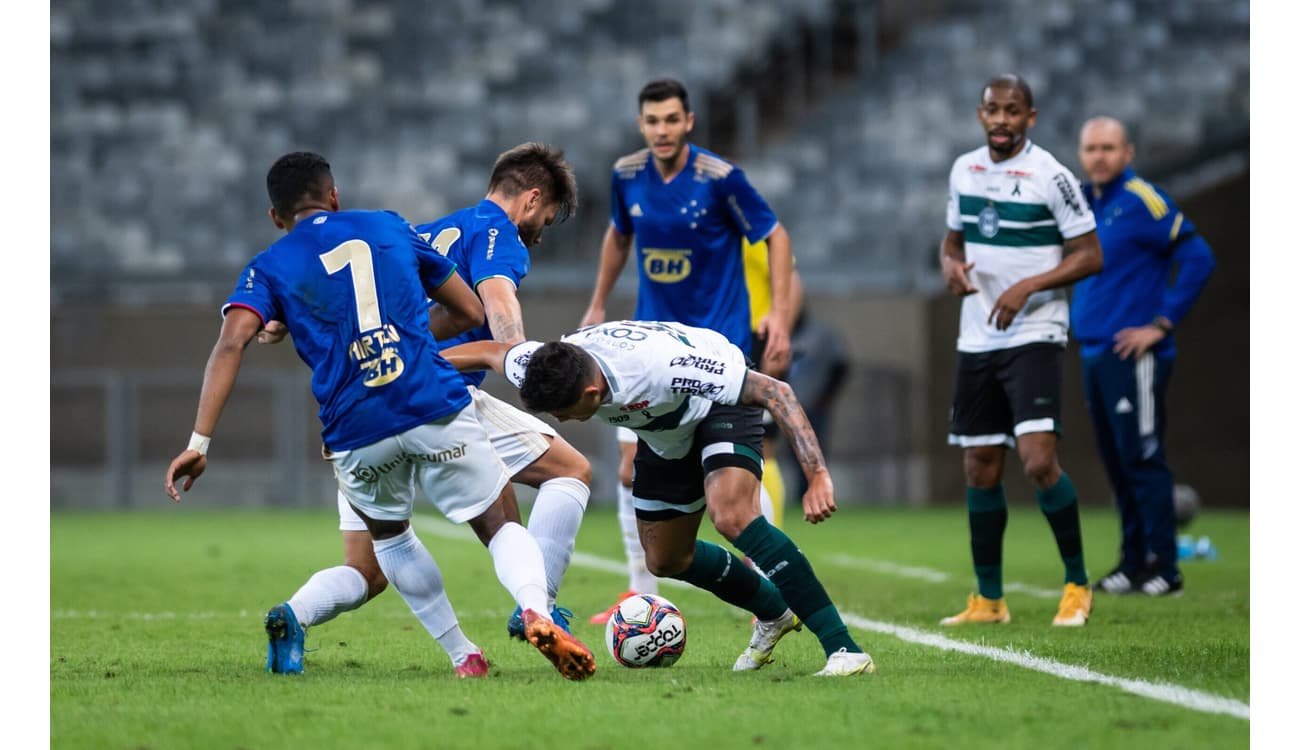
(988, 221)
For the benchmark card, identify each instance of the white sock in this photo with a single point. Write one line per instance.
(554, 521)
(411, 570)
(519, 566)
(638, 576)
(328, 594)
(765, 504)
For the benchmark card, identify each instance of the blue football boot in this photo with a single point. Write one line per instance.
(285, 638)
(515, 625)
(560, 616)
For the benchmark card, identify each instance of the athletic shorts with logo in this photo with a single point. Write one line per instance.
(1004, 393)
(449, 461)
(663, 489)
(518, 438)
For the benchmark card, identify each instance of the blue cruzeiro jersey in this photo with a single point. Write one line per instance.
(352, 287)
(1142, 235)
(484, 244)
(688, 239)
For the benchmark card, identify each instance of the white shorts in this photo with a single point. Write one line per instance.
(625, 435)
(450, 462)
(517, 437)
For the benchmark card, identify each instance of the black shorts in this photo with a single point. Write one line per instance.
(1002, 394)
(667, 488)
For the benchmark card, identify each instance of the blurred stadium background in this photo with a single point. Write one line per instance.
(165, 115)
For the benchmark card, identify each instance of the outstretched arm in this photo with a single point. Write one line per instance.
(478, 355)
(614, 250)
(778, 398)
(238, 329)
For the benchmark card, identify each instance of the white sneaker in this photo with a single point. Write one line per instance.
(842, 663)
(766, 634)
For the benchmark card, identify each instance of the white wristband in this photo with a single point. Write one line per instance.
(199, 443)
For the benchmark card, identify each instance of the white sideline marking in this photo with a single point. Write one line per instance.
(930, 575)
(1177, 695)
(1161, 691)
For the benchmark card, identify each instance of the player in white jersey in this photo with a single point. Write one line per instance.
(1019, 232)
(696, 407)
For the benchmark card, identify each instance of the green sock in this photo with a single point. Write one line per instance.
(1060, 505)
(722, 574)
(986, 510)
(787, 567)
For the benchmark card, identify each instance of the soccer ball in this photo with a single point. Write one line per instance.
(1187, 503)
(646, 631)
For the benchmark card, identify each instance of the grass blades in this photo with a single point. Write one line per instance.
(156, 642)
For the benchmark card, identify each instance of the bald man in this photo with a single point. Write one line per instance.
(1124, 319)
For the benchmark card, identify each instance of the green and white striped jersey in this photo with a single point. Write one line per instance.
(1014, 216)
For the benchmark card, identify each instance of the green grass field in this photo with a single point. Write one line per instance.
(156, 642)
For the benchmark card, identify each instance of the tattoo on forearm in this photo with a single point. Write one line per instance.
(506, 328)
(779, 399)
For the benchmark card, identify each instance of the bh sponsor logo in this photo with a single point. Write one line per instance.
(666, 266)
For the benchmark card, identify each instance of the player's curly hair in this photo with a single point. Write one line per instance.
(556, 374)
(295, 177)
(541, 166)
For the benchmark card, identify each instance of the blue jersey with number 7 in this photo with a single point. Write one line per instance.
(353, 288)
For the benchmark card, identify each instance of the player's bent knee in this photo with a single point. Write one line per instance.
(982, 466)
(665, 568)
(569, 462)
(732, 521)
(1039, 465)
(668, 563)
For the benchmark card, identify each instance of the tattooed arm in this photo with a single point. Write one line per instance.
(502, 307)
(778, 398)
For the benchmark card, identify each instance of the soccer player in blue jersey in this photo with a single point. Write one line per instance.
(531, 187)
(352, 287)
(1018, 234)
(690, 212)
(1124, 318)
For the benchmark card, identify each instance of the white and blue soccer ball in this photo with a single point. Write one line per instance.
(646, 631)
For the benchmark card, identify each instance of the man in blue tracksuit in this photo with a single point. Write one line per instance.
(1124, 319)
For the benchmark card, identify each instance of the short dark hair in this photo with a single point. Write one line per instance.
(1010, 81)
(295, 176)
(537, 165)
(663, 89)
(556, 374)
